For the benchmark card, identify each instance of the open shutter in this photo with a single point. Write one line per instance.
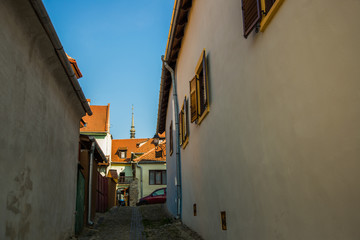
(251, 15)
(205, 97)
(193, 99)
(202, 86)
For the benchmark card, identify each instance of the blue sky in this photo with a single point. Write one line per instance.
(117, 45)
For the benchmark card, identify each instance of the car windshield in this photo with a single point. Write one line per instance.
(158, 192)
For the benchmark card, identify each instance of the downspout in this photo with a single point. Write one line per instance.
(178, 160)
(141, 179)
(92, 149)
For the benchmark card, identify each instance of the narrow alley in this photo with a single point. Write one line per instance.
(179, 119)
(137, 223)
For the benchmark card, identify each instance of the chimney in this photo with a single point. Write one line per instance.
(88, 101)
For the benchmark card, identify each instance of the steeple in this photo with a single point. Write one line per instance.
(132, 129)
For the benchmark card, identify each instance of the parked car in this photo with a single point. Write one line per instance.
(157, 196)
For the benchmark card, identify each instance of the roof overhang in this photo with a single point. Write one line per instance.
(45, 21)
(86, 142)
(176, 34)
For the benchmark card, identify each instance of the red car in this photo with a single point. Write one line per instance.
(157, 196)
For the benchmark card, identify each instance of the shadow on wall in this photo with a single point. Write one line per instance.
(18, 206)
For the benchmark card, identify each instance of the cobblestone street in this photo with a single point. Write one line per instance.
(137, 223)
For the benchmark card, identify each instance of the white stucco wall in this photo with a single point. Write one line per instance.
(171, 197)
(279, 150)
(39, 125)
(105, 144)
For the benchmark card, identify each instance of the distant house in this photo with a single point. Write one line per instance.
(98, 126)
(128, 154)
(41, 104)
(151, 170)
(268, 95)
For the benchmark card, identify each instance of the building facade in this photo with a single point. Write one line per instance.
(98, 126)
(271, 140)
(41, 104)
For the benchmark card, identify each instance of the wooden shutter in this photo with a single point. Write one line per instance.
(251, 15)
(193, 99)
(268, 5)
(202, 93)
(205, 95)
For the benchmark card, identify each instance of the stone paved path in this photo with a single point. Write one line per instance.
(136, 226)
(137, 223)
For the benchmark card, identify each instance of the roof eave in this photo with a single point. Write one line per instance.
(45, 21)
(176, 33)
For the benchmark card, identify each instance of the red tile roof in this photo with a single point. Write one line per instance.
(99, 121)
(151, 155)
(135, 145)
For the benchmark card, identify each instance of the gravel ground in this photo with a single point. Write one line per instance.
(137, 223)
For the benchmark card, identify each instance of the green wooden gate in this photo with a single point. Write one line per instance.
(80, 197)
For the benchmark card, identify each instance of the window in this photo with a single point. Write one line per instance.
(122, 177)
(184, 124)
(159, 192)
(258, 11)
(158, 154)
(199, 91)
(157, 177)
(121, 152)
(269, 8)
(171, 138)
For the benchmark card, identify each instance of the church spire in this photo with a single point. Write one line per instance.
(132, 129)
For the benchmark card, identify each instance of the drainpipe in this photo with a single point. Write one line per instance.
(178, 160)
(141, 179)
(92, 149)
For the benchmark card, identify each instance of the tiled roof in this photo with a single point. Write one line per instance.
(135, 145)
(151, 155)
(99, 121)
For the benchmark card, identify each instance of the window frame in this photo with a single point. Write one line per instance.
(124, 152)
(171, 142)
(163, 180)
(265, 20)
(184, 123)
(202, 63)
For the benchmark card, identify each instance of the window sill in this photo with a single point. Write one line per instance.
(266, 20)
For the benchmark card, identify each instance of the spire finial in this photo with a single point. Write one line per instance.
(132, 129)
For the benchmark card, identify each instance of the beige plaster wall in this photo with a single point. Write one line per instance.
(39, 126)
(147, 188)
(279, 150)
